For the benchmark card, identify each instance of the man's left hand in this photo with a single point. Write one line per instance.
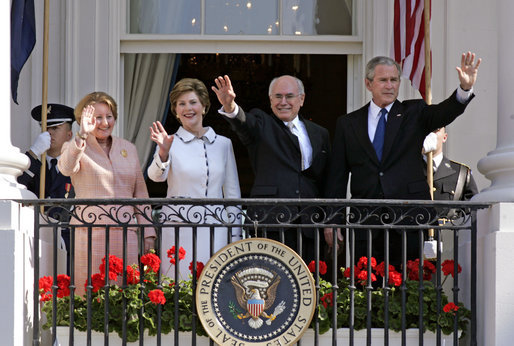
(468, 70)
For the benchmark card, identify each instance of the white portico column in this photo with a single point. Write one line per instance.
(15, 221)
(12, 162)
(498, 165)
(496, 225)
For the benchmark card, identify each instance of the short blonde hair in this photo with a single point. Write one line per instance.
(93, 98)
(186, 85)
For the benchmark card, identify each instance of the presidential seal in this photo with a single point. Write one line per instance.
(255, 292)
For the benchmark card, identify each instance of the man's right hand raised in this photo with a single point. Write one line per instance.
(225, 93)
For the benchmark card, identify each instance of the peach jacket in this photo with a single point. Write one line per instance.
(96, 175)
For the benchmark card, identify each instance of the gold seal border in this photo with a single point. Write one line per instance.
(247, 247)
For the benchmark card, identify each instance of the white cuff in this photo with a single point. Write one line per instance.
(161, 165)
(462, 95)
(229, 115)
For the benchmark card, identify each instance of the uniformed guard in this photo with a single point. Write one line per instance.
(59, 130)
(59, 120)
(453, 181)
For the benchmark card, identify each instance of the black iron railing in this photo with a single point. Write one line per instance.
(358, 220)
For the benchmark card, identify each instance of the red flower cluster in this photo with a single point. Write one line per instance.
(199, 268)
(97, 281)
(115, 267)
(45, 287)
(327, 299)
(448, 268)
(361, 272)
(413, 270)
(151, 261)
(322, 267)
(450, 307)
(133, 275)
(171, 254)
(157, 297)
(395, 278)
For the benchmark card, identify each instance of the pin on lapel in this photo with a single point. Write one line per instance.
(399, 114)
(447, 165)
(123, 153)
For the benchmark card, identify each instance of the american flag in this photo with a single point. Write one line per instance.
(408, 47)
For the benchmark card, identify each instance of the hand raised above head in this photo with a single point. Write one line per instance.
(159, 135)
(225, 93)
(468, 70)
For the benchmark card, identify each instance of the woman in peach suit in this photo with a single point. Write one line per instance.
(103, 166)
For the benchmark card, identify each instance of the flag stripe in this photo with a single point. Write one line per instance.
(408, 46)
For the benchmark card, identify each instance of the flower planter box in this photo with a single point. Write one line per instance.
(395, 339)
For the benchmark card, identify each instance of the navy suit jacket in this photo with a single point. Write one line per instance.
(400, 174)
(53, 189)
(276, 157)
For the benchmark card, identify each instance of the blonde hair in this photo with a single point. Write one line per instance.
(186, 85)
(93, 98)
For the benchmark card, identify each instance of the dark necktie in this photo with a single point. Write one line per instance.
(52, 171)
(378, 140)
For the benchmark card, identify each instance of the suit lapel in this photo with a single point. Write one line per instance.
(394, 120)
(360, 126)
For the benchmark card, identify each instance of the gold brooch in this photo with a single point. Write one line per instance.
(123, 153)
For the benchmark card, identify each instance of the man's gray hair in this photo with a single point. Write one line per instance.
(301, 89)
(380, 60)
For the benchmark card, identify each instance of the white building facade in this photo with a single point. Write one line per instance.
(91, 45)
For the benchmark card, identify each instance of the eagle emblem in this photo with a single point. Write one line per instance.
(256, 291)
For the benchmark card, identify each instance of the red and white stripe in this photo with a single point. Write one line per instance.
(408, 46)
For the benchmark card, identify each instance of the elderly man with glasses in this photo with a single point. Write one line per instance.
(289, 154)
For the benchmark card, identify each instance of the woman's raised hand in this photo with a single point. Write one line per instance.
(87, 120)
(159, 135)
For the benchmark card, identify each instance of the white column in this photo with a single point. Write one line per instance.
(498, 165)
(12, 162)
(15, 221)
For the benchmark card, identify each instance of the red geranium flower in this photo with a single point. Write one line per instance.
(181, 254)
(132, 275)
(199, 268)
(448, 267)
(97, 281)
(356, 272)
(322, 267)
(63, 282)
(327, 299)
(115, 267)
(152, 261)
(363, 263)
(413, 269)
(450, 307)
(363, 277)
(45, 287)
(395, 278)
(157, 297)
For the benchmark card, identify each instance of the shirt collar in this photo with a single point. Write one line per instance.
(437, 160)
(374, 110)
(295, 121)
(186, 136)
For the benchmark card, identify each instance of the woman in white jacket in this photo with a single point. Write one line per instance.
(196, 163)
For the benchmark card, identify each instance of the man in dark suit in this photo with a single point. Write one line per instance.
(379, 144)
(289, 154)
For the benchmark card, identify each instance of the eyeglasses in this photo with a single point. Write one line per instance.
(279, 97)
